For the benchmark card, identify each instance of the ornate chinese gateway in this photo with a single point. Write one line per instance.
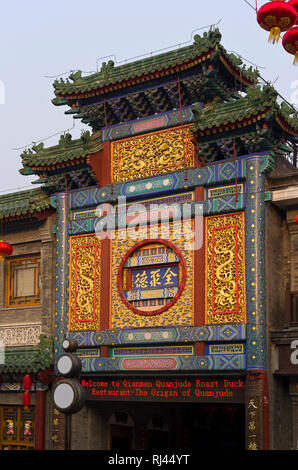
(160, 247)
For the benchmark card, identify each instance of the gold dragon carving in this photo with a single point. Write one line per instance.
(84, 283)
(152, 154)
(225, 278)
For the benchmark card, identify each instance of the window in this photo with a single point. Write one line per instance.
(17, 428)
(23, 281)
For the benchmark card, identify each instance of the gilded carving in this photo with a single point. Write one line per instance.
(225, 280)
(84, 283)
(152, 154)
(181, 313)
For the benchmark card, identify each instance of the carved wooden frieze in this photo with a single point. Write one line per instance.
(152, 154)
(225, 277)
(19, 335)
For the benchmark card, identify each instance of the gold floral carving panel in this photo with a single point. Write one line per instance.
(152, 154)
(84, 290)
(225, 262)
(181, 313)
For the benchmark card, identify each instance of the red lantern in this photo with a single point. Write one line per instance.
(27, 382)
(294, 3)
(290, 43)
(276, 17)
(26, 399)
(5, 249)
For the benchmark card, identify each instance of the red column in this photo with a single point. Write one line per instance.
(105, 291)
(40, 415)
(199, 282)
(101, 164)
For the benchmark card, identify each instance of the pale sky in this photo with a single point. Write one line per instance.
(41, 39)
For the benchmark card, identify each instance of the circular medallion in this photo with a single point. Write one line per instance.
(151, 277)
(64, 396)
(68, 396)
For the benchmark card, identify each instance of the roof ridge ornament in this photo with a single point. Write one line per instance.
(76, 76)
(65, 139)
(37, 148)
(211, 38)
(257, 94)
(85, 136)
(106, 69)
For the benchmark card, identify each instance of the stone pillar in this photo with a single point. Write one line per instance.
(294, 403)
(47, 273)
(80, 430)
(294, 411)
(98, 430)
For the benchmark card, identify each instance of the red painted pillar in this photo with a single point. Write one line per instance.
(40, 419)
(101, 164)
(266, 411)
(105, 292)
(199, 283)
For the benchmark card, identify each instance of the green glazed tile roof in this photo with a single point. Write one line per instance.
(28, 359)
(110, 75)
(257, 101)
(23, 203)
(67, 150)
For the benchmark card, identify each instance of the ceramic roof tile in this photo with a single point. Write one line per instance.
(257, 101)
(28, 358)
(23, 203)
(66, 150)
(110, 75)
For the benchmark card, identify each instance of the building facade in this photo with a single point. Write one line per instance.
(283, 330)
(167, 251)
(26, 323)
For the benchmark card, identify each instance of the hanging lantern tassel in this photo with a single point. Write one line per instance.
(276, 17)
(290, 43)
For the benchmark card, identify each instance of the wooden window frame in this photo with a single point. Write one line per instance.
(18, 441)
(26, 301)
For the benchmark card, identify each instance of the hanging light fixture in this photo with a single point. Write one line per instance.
(26, 399)
(5, 250)
(27, 382)
(290, 43)
(276, 17)
(294, 3)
